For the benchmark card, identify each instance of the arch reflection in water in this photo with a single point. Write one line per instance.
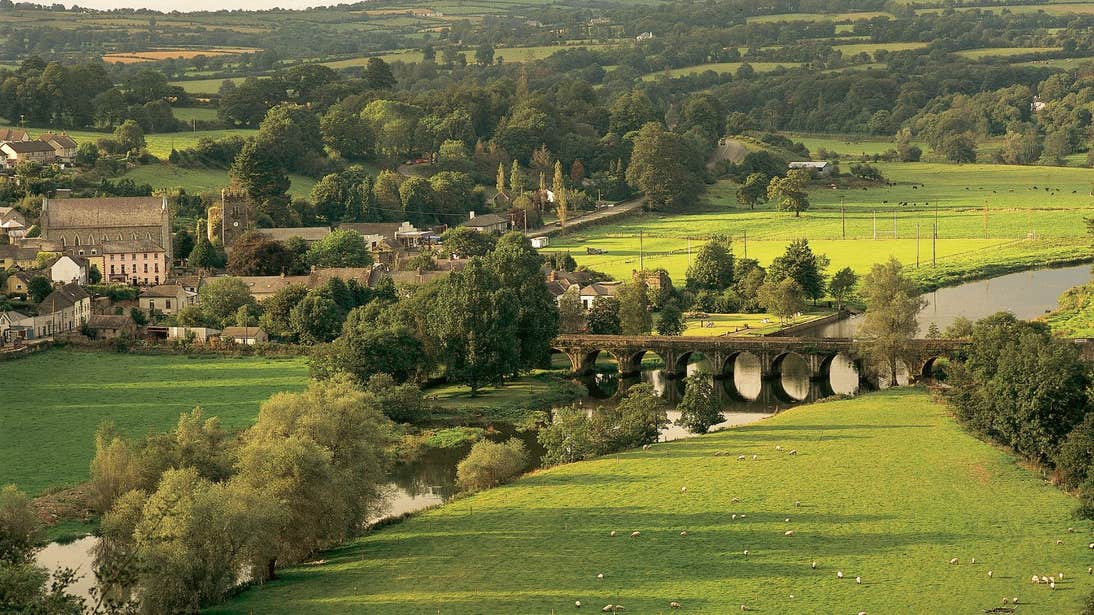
(602, 376)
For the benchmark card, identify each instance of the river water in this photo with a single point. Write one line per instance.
(430, 480)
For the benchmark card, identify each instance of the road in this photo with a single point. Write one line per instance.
(601, 214)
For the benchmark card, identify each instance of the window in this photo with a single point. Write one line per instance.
(112, 270)
(146, 257)
(151, 304)
(168, 304)
(146, 267)
(123, 269)
(156, 267)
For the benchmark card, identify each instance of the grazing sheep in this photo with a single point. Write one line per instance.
(798, 503)
(1092, 545)
(755, 457)
(744, 607)
(787, 520)
(972, 561)
(989, 574)
(1052, 584)
(814, 565)
(645, 447)
(1059, 542)
(674, 605)
(1090, 570)
(746, 552)
(862, 613)
(788, 533)
(793, 451)
(1070, 530)
(600, 576)
(839, 574)
(1060, 576)
(1014, 600)
(735, 500)
(612, 533)
(954, 561)
(608, 608)
(635, 534)
(734, 516)
(684, 533)
(740, 457)
(778, 447)
(858, 580)
(1044, 579)
(1035, 579)
(683, 489)
(717, 453)
(742, 515)
(577, 604)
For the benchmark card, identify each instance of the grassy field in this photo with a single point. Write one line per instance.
(1061, 63)
(718, 67)
(856, 16)
(1052, 8)
(890, 488)
(847, 145)
(159, 144)
(48, 435)
(870, 48)
(1002, 52)
(201, 114)
(202, 180)
(960, 193)
(1075, 317)
(205, 86)
(505, 54)
(745, 324)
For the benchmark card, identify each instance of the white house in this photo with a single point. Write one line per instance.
(540, 242)
(65, 309)
(593, 291)
(819, 168)
(69, 269)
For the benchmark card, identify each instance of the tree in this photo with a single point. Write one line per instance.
(467, 242)
(671, 321)
(783, 298)
(1021, 145)
(789, 192)
(800, 263)
(842, 286)
(342, 248)
(603, 317)
(363, 354)
(129, 136)
(344, 196)
(1057, 147)
(753, 190)
(516, 179)
(321, 455)
(571, 314)
(499, 181)
(568, 438)
(889, 325)
(490, 464)
(519, 269)
(904, 148)
(254, 253)
(260, 173)
(204, 255)
(474, 321)
(385, 194)
(290, 134)
(665, 167)
(316, 318)
(636, 420)
(378, 74)
(1021, 386)
(1074, 460)
(959, 148)
(484, 54)
(699, 409)
(418, 200)
(559, 188)
(400, 402)
(221, 298)
(346, 133)
(634, 309)
(94, 276)
(24, 587)
(38, 288)
(712, 268)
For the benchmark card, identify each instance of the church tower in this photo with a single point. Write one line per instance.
(234, 215)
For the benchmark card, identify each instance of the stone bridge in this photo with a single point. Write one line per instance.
(722, 353)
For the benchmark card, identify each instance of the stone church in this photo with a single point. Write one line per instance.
(77, 223)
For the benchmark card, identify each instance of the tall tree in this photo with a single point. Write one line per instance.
(571, 314)
(378, 74)
(603, 317)
(342, 248)
(783, 298)
(671, 321)
(803, 265)
(519, 269)
(753, 190)
(699, 410)
(559, 187)
(789, 192)
(665, 167)
(842, 286)
(254, 253)
(712, 268)
(889, 325)
(634, 309)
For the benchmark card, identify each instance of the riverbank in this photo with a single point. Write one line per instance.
(877, 502)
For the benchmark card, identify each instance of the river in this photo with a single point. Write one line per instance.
(430, 480)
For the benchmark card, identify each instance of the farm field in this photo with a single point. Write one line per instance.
(855, 48)
(201, 114)
(718, 67)
(890, 488)
(202, 180)
(152, 55)
(1061, 63)
(160, 143)
(847, 145)
(506, 54)
(757, 324)
(1051, 8)
(48, 438)
(205, 86)
(1014, 210)
(1001, 52)
(855, 16)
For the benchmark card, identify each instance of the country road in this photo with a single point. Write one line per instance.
(601, 214)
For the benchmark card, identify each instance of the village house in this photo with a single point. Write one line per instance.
(245, 335)
(197, 334)
(17, 283)
(15, 152)
(558, 282)
(15, 326)
(819, 168)
(83, 225)
(165, 299)
(134, 262)
(64, 146)
(12, 224)
(66, 309)
(13, 134)
(17, 256)
(265, 286)
(69, 269)
(594, 291)
(404, 234)
(488, 223)
(110, 326)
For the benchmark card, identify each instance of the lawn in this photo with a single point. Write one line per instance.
(890, 489)
(745, 324)
(201, 114)
(48, 435)
(1024, 226)
(202, 180)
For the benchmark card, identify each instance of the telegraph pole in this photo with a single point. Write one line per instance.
(875, 225)
(934, 245)
(917, 245)
(843, 216)
(746, 244)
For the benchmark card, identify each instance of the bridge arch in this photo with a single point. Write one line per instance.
(742, 372)
(790, 376)
(600, 372)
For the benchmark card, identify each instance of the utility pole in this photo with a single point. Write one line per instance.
(934, 246)
(641, 254)
(746, 244)
(917, 245)
(843, 216)
(894, 224)
(875, 225)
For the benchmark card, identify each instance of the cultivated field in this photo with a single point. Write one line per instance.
(719, 67)
(168, 176)
(153, 55)
(1002, 52)
(1024, 224)
(505, 54)
(48, 435)
(890, 488)
(856, 16)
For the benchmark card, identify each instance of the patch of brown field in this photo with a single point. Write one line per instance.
(980, 473)
(64, 504)
(167, 54)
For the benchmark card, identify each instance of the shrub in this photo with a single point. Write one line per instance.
(490, 464)
(1074, 458)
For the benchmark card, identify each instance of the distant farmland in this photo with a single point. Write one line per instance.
(133, 57)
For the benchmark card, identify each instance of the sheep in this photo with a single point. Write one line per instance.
(743, 515)
(1059, 542)
(1060, 575)
(839, 574)
(858, 580)
(1092, 545)
(814, 565)
(989, 574)
(1090, 570)
(577, 604)
(608, 608)
(1070, 530)
(787, 520)
(793, 451)
(740, 457)
(1014, 600)
(674, 605)
(635, 534)
(862, 613)
(735, 500)
(612, 533)
(684, 489)
(734, 516)
(600, 576)
(755, 457)
(744, 607)
(717, 453)
(1035, 579)
(746, 552)
(788, 533)
(954, 561)
(972, 561)
(1044, 579)
(645, 447)
(778, 447)
(684, 533)
(797, 503)
(1052, 584)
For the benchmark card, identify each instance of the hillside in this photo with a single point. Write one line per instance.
(890, 488)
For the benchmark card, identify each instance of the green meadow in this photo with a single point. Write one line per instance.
(990, 218)
(853, 16)
(719, 67)
(1002, 52)
(159, 144)
(167, 176)
(48, 434)
(891, 489)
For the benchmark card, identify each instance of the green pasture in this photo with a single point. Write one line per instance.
(1052, 8)
(847, 145)
(201, 114)
(1002, 52)
(60, 397)
(1061, 63)
(1075, 316)
(988, 216)
(891, 489)
(160, 143)
(871, 48)
(718, 67)
(167, 176)
(205, 86)
(712, 325)
(853, 16)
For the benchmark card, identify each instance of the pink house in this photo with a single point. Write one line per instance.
(134, 262)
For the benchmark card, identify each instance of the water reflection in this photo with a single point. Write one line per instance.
(76, 555)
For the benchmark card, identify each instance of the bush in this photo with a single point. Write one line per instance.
(490, 464)
(1086, 499)
(1076, 454)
